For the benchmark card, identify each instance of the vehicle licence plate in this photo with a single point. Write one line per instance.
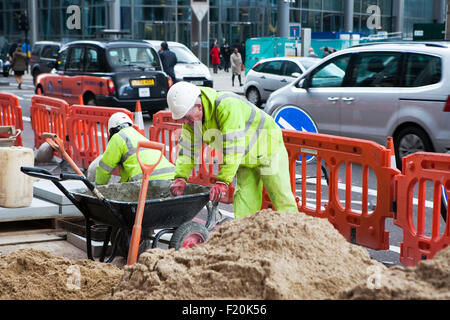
(142, 82)
(197, 83)
(144, 92)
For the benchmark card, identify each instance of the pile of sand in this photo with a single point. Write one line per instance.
(35, 274)
(266, 256)
(430, 279)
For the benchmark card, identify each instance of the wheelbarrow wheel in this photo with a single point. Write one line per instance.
(188, 235)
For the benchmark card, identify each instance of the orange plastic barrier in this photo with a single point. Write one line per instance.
(49, 115)
(88, 131)
(168, 131)
(360, 227)
(419, 169)
(11, 114)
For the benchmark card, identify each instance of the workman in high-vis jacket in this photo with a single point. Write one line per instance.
(121, 151)
(250, 141)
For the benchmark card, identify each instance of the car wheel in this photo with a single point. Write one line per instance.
(89, 100)
(411, 140)
(35, 74)
(253, 96)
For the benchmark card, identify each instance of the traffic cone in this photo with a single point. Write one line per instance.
(138, 119)
(80, 101)
(390, 146)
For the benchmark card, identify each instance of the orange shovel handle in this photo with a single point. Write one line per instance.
(146, 171)
(57, 144)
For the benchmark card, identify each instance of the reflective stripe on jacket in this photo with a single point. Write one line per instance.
(245, 134)
(121, 150)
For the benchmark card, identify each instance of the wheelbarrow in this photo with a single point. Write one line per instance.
(117, 210)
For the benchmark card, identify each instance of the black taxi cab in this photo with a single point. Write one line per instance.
(108, 73)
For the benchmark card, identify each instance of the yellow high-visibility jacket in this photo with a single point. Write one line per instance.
(121, 150)
(246, 135)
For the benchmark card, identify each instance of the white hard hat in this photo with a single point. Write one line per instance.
(117, 119)
(181, 98)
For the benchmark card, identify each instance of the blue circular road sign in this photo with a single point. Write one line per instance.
(293, 118)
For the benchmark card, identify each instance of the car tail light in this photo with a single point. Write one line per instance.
(447, 105)
(110, 85)
(169, 81)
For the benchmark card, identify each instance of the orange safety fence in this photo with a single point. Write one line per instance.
(49, 115)
(339, 154)
(11, 114)
(421, 170)
(168, 131)
(88, 131)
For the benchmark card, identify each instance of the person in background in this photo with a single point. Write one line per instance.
(11, 51)
(168, 60)
(312, 54)
(215, 56)
(19, 65)
(225, 52)
(26, 48)
(236, 66)
(326, 52)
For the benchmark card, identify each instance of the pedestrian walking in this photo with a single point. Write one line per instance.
(225, 52)
(250, 140)
(236, 66)
(312, 54)
(19, 65)
(215, 54)
(168, 60)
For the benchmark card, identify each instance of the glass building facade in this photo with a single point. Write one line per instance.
(232, 20)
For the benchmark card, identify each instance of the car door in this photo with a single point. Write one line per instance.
(369, 103)
(270, 78)
(322, 98)
(73, 78)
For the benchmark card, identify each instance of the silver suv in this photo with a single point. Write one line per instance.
(375, 91)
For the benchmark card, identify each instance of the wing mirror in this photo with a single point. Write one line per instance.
(303, 83)
(295, 75)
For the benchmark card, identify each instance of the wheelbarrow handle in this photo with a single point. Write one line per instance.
(90, 185)
(39, 173)
(57, 144)
(146, 168)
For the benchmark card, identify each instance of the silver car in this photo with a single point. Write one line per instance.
(271, 74)
(375, 91)
(189, 68)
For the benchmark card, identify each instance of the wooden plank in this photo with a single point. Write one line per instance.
(31, 238)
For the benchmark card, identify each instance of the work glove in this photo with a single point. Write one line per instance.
(218, 191)
(177, 187)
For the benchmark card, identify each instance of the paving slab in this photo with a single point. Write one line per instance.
(80, 243)
(45, 189)
(39, 209)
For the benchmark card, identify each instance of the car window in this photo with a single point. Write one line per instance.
(129, 56)
(380, 69)
(76, 59)
(36, 50)
(273, 67)
(92, 60)
(50, 51)
(422, 70)
(290, 68)
(60, 64)
(184, 55)
(259, 67)
(331, 74)
(309, 63)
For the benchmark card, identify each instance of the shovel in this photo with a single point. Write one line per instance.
(57, 144)
(146, 172)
